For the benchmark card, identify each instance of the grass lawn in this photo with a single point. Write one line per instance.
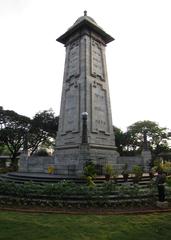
(27, 226)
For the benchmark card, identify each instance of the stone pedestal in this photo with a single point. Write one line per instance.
(23, 162)
(146, 155)
(70, 161)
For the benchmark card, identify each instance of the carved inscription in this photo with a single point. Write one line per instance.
(99, 110)
(73, 60)
(97, 60)
(71, 113)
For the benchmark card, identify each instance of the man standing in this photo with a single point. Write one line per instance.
(160, 180)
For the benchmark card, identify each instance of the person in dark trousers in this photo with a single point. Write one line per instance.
(160, 181)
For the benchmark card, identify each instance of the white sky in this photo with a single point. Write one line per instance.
(139, 71)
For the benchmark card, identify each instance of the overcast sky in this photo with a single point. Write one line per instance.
(139, 60)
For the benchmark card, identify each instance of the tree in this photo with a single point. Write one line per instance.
(18, 131)
(13, 128)
(43, 130)
(157, 137)
(4, 149)
(119, 139)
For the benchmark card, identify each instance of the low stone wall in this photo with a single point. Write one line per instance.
(73, 166)
(130, 161)
(35, 163)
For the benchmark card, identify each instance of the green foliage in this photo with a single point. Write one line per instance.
(154, 170)
(109, 172)
(89, 170)
(120, 140)
(43, 130)
(18, 132)
(51, 169)
(90, 174)
(29, 226)
(108, 169)
(168, 181)
(157, 165)
(166, 167)
(13, 128)
(7, 169)
(69, 194)
(3, 170)
(108, 187)
(46, 121)
(138, 172)
(90, 182)
(132, 141)
(4, 150)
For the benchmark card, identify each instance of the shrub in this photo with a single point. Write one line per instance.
(166, 167)
(157, 164)
(90, 182)
(62, 194)
(138, 172)
(3, 170)
(51, 169)
(168, 181)
(108, 169)
(89, 170)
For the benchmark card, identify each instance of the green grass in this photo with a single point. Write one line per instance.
(169, 181)
(27, 226)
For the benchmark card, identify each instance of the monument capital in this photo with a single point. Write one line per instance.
(85, 23)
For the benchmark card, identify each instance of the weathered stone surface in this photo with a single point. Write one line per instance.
(85, 89)
(35, 163)
(146, 154)
(130, 161)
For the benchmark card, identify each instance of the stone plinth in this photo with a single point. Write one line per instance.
(146, 154)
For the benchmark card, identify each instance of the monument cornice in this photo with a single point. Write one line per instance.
(109, 147)
(66, 147)
(85, 23)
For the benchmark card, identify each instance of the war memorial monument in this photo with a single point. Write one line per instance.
(85, 131)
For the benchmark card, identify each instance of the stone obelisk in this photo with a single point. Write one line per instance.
(85, 122)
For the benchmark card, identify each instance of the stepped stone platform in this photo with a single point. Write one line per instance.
(35, 177)
(52, 178)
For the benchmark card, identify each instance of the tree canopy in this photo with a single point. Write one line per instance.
(13, 128)
(18, 131)
(43, 130)
(132, 141)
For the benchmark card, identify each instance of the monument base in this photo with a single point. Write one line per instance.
(71, 160)
(146, 154)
